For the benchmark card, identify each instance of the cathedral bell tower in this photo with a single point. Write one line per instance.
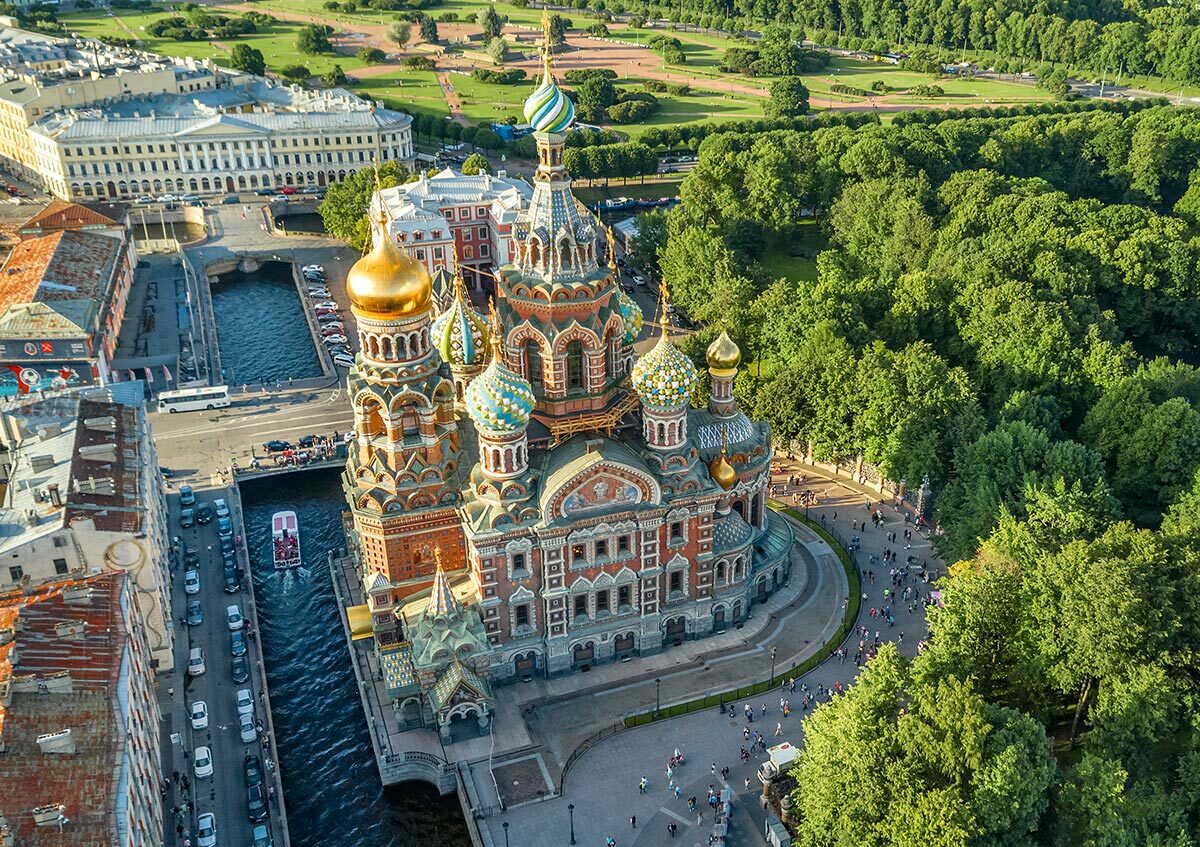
(404, 428)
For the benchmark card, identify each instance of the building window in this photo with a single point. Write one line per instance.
(60, 566)
(484, 250)
(623, 544)
(15, 573)
(581, 605)
(601, 549)
(677, 531)
(466, 235)
(533, 366)
(481, 212)
(522, 613)
(720, 572)
(60, 541)
(676, 581)
(468, 253)
(438, 253)
(577, 554)
(622, 596)
(421, 255)
(483, 233)
(602, 602)
(518, 563)
(575, 366)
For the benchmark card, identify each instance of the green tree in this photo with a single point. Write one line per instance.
(496, 48)
(245, 58)
(334, 77)
(649, 241)
(371, 55)
(295, 73)
(429, 30)
(475, 164)
(558, 28)
(400, 33)
(314, 39)
(490, 22)
(593, 96)
(789, 97)
(344, 209)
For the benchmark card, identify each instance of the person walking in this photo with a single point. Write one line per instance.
(633, 821)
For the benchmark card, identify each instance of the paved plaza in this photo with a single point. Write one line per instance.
(603, 783)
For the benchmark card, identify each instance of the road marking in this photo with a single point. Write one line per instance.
(671, 814)
(275, 419)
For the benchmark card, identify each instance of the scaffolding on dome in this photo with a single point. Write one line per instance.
(605, 420)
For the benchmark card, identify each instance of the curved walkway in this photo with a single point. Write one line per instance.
(603, 783)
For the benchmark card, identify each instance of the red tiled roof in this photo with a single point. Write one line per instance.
(61, 214)
(83, 782)
(59, 266)
(121, 510)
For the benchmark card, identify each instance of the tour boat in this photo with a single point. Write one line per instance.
(285, 540)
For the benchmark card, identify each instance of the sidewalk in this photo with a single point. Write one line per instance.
(603, 783)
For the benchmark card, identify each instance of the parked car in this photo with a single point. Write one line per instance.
(191, 557)
(230, 200)
(206, 830)
(202, 759)
(225, 528)
(144, 200)
(246, 729)
(329, 317)
(319, 292)
(187, 497)
(195, 613)
(334, 339)
(325, 304)
(264, 192)
(241, 670)
(260, 836)
(344, 360)
(198, 712)
(245, 701)
(312, 268)
(288, 189)
(221, 507)
(191, 582)
(330, 330)
(196, 662)
(307, 440)
(226, 545)
(277, 446)
(233, 617)
(204, 513)
(187, 518)
(231, 582)
(237, 643)
(252, 769)
(256, 797)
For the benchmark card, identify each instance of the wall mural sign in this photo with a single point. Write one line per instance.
(602, 491)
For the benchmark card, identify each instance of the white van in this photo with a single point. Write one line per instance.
(780, 756)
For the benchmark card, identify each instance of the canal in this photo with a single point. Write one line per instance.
(331, 785)
(261, 327)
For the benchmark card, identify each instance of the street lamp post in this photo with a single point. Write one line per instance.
(774, 650)
(657, 696)
(505, 825)
(571, 810)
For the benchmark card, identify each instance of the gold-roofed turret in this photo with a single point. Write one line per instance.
(721, 471)
(723, 354)
(387, 283)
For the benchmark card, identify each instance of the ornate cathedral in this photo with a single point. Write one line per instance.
(527, 496)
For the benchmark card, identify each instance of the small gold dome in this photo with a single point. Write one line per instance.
(723, 354)
(721, 471)
(387, 283)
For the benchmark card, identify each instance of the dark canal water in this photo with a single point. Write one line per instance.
(334, 798)
(261, 327)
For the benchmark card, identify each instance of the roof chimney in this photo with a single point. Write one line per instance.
(61, 742)
(77, 595)
(71, 630)
(55, 494)
(52, 815)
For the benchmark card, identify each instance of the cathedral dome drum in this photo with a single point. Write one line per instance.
(498, 400)
(387, 283)
(664, 377)
(460, 333)
(631, 313)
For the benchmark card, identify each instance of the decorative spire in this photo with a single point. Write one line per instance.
(547, 75)
(664, 306)
(547, 109)
(612, 249)
(442, 602)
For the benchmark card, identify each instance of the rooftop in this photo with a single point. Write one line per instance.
(63, 214)
(62, 660)
(64, 265)
(421, 201)
(64, 319)
(249, 104)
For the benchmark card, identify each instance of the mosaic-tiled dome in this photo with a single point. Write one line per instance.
(548, 109)
(730, 532)
(664, 377)
(460, 333)
(498, 400)
(631, 313)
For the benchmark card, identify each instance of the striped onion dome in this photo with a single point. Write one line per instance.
(460, 333)
(664, 377)
(631, 313)
(498, 400)
(548, 109)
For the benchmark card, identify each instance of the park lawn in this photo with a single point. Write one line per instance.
(652, 189)
(780, 261)
(412, 91)
(485, 101)
(860, 73)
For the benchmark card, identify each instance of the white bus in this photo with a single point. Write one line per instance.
(191, 399)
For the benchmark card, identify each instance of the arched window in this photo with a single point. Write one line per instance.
(740, 508)
(533, 365)
(720, 572)
(410, 422)
(575, 377)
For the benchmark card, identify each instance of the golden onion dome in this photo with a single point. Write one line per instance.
(723, 354)
(722, 472)
(387, 283)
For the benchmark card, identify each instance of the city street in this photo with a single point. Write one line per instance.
(225, 792)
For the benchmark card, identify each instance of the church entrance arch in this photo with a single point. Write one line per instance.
(719, 619)
(676, 629)
(623, 644)
(410, 712)
(525, 664)
(583, 654)
(761, 588)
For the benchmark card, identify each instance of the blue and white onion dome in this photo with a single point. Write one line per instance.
(498, 400)
(631, 313)
(548, 109)
(664, 377)
(461, 334)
